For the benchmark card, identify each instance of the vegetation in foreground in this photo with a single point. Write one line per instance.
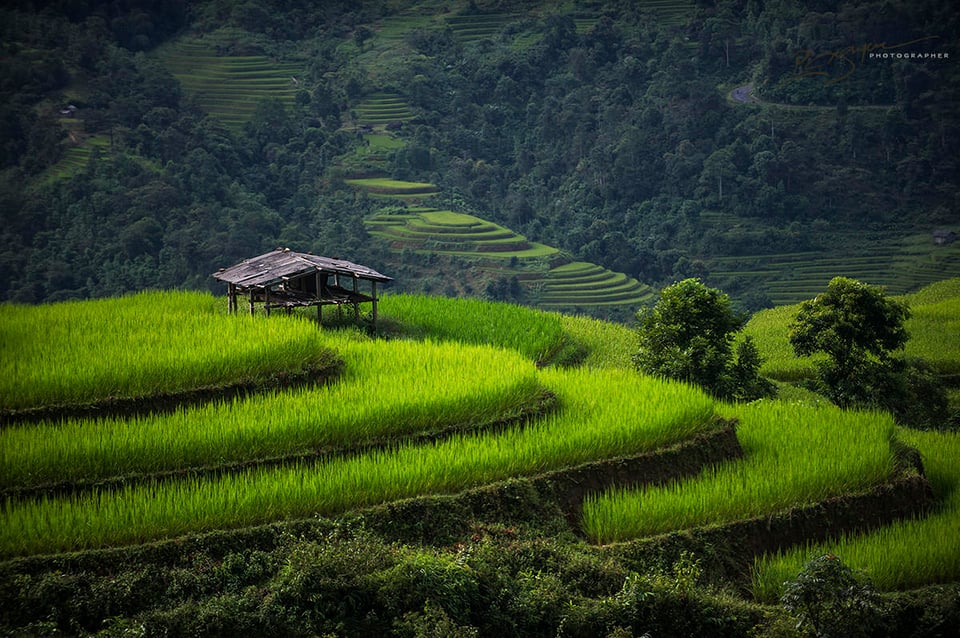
(480, 554)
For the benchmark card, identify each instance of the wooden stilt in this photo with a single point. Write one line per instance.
(374, 295)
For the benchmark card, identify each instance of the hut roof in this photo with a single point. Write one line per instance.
(281, 264)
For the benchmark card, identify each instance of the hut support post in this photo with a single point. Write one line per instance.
(319, 300)
(374, 295)
(336, 282)
(356, 305)
(251, 302)
(232, 298)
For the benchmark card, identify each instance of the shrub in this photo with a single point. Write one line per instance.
(829, 599)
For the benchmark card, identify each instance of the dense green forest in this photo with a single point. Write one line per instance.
(606, 129)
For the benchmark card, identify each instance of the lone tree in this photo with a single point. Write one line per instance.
(689, 335)
(858, 328)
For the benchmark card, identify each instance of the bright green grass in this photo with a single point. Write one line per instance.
(450, 218)
(609, 345)
(141, 345)
(533, 333)
(389, 389)
(388, 186)
(793, 455)
(605, 413)
(905, 555)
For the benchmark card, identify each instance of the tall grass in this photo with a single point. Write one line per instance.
(935, 334)
(793, 455)
(770, 331)
(907, 554)
(608, 345)
(141, 345)
(389, 389)
(605, 413)
(533, 333)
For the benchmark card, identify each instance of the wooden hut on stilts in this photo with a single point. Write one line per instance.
(286, 279)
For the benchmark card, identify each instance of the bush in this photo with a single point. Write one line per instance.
(829, 599)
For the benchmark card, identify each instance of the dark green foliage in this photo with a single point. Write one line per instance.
(853, 323)
(829, 599)
(607, 139)
(859, 328)
(688, 336)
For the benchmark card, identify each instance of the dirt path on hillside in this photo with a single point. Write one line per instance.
(744, 95)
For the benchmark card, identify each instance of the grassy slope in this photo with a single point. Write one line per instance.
(934, 328)
(608, 346)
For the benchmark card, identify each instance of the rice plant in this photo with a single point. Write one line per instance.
(141, 345)
(793, 455)
(389, 390)
(604, 414)
(533, 333)
(904, 555)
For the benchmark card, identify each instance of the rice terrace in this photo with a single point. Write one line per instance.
(463, 436)
(668, 343)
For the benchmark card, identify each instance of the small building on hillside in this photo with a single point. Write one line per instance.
(944, 237)
(286, 279)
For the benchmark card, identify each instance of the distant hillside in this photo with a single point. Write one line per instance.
(604, 130)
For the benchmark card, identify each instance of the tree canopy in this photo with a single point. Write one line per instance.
(689, 335)
(857, 326)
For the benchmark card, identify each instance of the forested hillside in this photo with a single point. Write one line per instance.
(147, 143)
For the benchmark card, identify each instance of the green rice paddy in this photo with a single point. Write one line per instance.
(226, 84)
(380, 109)
(906, 555)
(474, 365)
(603, 414)
(793, 455)
(556, 285)
(105, 349)
(445, 386)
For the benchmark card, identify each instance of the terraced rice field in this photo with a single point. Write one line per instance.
(928, 546)
(444, 463)
(899, 262)
(554, 284)
(228, 85)
(473, 27)
(380, 109)
(387, 188)
(76, 157)
(423, 388)
(582, 283)
(393, 29)
(830, 453)
(430, 230)
(668, 12)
